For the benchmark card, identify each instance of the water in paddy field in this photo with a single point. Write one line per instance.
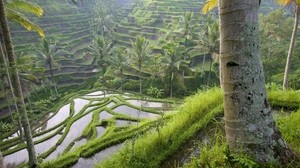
(95, 159)
(74, 136)
(151, 104)
(132, 112)
(75, 131)
(105, 115)
(79, 104)
(59, 117)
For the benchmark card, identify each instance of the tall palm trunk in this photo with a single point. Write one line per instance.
(210, 67)
(3, 60)
(17, 86)
(291, 49)
(140, 77)
(203, 62)
(2, 165)
(171, 83)
(52, 77)
(121, 73)
(184, 55)
(249, 123)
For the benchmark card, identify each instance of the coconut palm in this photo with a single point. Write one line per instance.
(11, 89)
(17, 85)
(15, 10)
(249, 123)
(208, 40)
(49, 53)
(183, 28)
(139, 53)
(101, 50)
(296, 3)
(118, 62)
(172, 61)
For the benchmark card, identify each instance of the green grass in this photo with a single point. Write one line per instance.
(113, 135)
(290, 129)
(153, 148)
(289, 99)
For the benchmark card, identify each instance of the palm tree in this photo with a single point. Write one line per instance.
(208, 40)
(17, 85)
(139, 53)
(296, 3)
(172, 53)
(8, 77)
(1, 160)
(101, 50)
(210, 4)
(49, 53)
(118, 62)
(15, 10)
(249, 124)
(103, 20)
(183, 28)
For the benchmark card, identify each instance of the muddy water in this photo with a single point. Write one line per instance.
(134, 112)
(95, 159)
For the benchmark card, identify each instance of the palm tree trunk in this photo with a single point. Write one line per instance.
(184, 56)
(2, 164)
(52, 78)
(3, 60)
(171, 83)
(291, 49)
(17, 86)
(249, 124)
(121, 73)
(203, 62)
(209, 73)
(140, 78)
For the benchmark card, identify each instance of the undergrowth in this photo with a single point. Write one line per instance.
(151, 149)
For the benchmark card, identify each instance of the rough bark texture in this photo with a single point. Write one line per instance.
(140, 76)
(1, 161)
(249, 123)
(291, 49)
(52, 77)
(3, 60)
(17, 86)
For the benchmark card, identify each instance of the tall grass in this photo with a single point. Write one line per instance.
(151, 149)
(290, 129)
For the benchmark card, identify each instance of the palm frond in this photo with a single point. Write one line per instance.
(209, 5)
(25, 6)
(18, 18)
(286, 2)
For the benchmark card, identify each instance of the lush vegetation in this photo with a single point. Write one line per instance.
(159, 51)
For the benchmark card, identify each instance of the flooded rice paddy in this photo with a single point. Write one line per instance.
(64, 131)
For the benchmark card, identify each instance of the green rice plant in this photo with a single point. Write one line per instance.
(290, 129)
(152, 149)
(289, 99)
